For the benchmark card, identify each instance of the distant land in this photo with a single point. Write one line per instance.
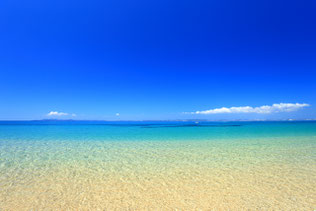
(171, 120)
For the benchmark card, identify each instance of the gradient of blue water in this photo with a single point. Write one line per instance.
(149, 131)
(35, 155)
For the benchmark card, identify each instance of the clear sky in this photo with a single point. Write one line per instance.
(120, 59)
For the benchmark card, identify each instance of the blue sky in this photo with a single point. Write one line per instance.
(133, 60)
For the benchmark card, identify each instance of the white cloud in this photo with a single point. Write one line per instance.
(56, 113)
(265, 109)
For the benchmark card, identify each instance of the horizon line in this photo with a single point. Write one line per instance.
(162, 120)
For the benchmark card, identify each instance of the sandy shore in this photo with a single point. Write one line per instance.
(77, 188)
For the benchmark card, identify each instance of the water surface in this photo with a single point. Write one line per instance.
(157, 165)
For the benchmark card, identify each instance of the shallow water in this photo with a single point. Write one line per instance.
(165, 165)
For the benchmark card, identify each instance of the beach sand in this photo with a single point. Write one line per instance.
(156, 176)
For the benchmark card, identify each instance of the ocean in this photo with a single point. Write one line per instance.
(98, 165)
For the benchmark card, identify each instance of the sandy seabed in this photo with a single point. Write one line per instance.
(158, 176)
(73, 188)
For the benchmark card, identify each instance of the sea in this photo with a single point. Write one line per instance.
(157, 165)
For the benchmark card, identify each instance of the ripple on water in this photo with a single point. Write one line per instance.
(257, 173)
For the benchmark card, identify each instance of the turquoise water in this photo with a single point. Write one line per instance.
(165, 165)
(142, 131)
